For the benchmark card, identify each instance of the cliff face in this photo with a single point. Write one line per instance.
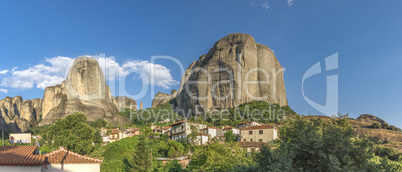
(124, 103)
(226, 77)
(85, 90)
(160, 98)
(18, 114)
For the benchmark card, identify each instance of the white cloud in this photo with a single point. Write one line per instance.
(290, 2)
(2, 72)
(55, 70)
(5, 91)
(265, 5)
(161, 74)
(43, 75)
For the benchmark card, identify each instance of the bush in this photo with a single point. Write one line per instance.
(388, 152)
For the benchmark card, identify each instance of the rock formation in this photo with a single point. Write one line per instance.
(124, 103)
(226, 77)
(370, 119)
(160, 98)
(18, 115)
(85, 91)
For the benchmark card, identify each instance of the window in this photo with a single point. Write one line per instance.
(181, 128)
(244, 139)
(251, 140)
(260, 140)
(261, 132)
(250, 132)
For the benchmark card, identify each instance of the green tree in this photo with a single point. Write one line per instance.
(194, 134)
(172, 149)
(317, 145)
(73, 133)
(97, 137)
(99, 123)
(218, 157)
(173, 166)
(230, 136)
(141, 158)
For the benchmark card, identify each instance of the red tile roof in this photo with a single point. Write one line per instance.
(178, 122)
(67, 157)
(258, 127)
(20, 155)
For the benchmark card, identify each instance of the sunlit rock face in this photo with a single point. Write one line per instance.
(18, 115)
(227, 76)
(85, 91)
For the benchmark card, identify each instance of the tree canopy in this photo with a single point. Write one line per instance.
(73, 133)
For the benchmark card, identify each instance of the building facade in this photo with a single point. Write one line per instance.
(262, 134)
(181, 129)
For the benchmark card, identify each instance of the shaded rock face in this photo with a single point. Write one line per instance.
(226, 77)
(370, 118)
(124, 103)
(18, 115)
(85, 91)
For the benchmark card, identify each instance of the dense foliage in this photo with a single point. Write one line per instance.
(218, 157)
(73, 133)
(230, 136)
(384, 126)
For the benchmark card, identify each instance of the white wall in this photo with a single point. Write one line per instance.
(72, 168)
(20, 168)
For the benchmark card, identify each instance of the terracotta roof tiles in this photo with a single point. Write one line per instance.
(67, 157)
(20, 155)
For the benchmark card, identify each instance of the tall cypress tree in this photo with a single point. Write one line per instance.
(141, 158)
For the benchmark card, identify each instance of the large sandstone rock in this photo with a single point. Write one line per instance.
(124, 103)
(17, 114)
(160, 98)
(226, 77)
(85, 91)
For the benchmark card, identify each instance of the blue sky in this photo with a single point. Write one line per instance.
(366, 35)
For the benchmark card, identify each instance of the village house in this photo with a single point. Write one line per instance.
(211, 131)
(234, 130)
(181, 129)
(166, 130)
(262, 134)
(116, 134)
(132, 132)
(27, 158)
(202, 139)
(105, 139)
(248, 124)
(103, 131)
